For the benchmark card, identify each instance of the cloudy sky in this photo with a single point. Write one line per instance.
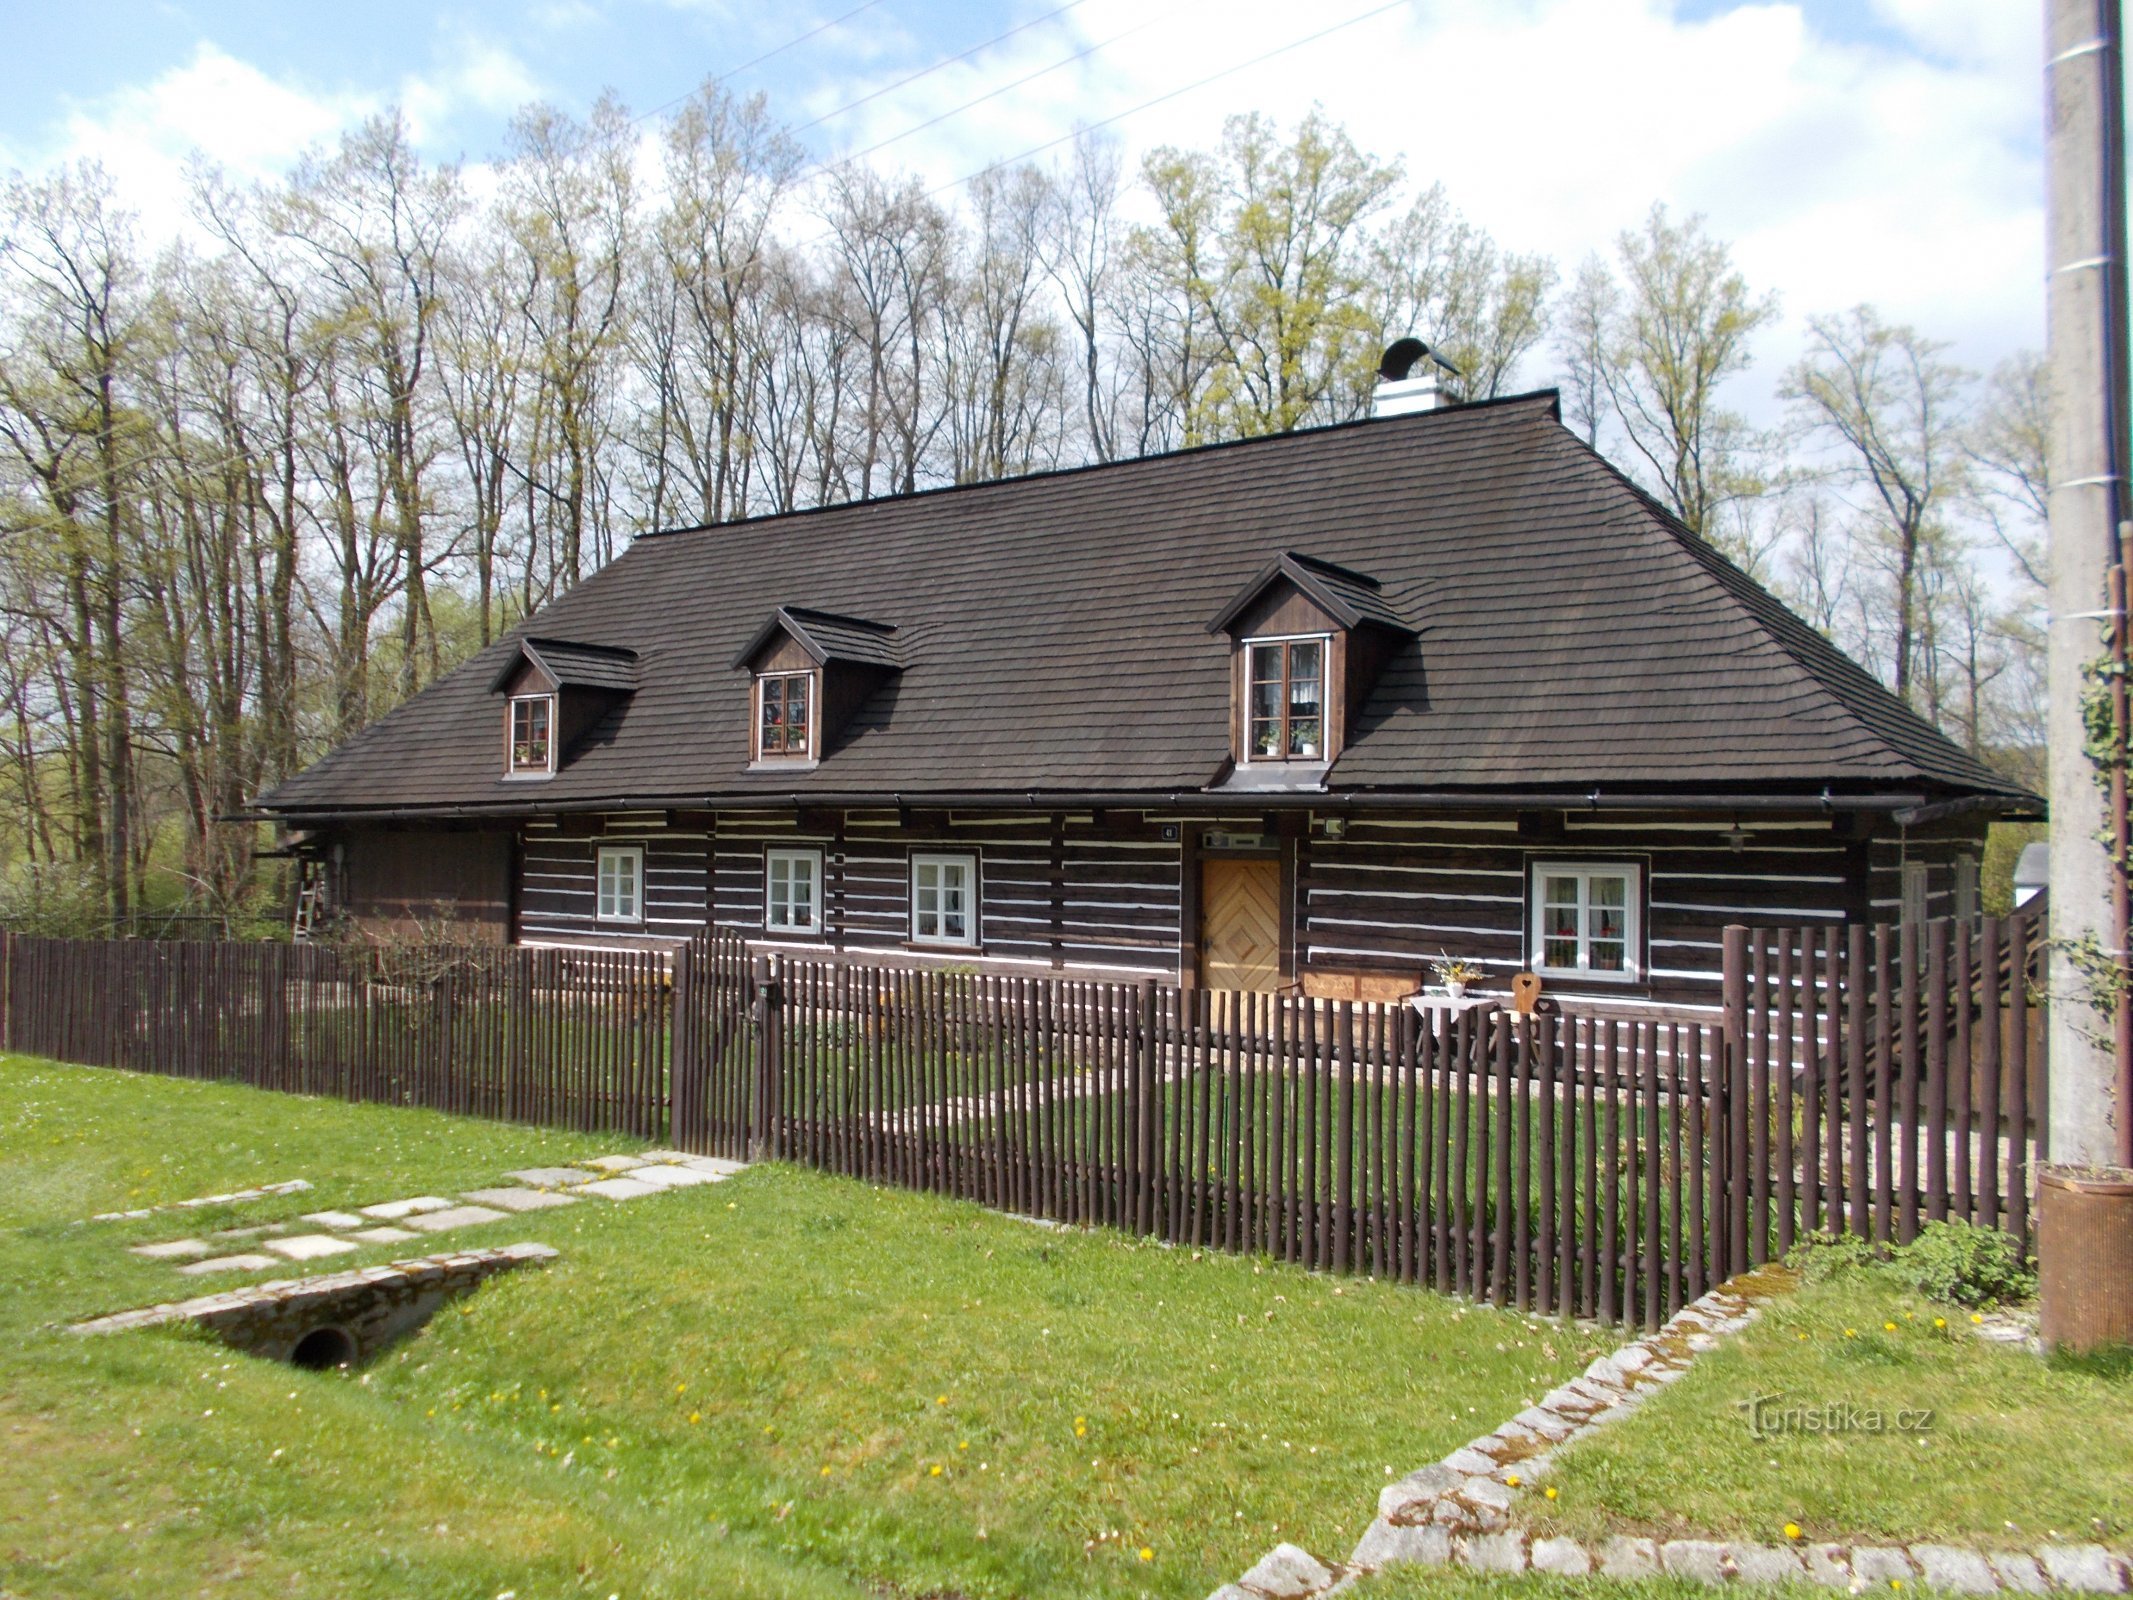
(1852, 150)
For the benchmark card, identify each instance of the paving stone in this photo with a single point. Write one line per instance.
(1629, 1558)
(1485, 1492)
(331, 1219)
(238, 1263)
(384, 1235)
(173, 1250)
(614, 1163)
(518, 1199)
(668, 1155)
(1546, 1424)
(394, 1210)
(1385, 1544)
(1287, 1572)
(551, 1177)
(1880, 1565)
(1467, 1461)
(2087, 1567)
(670, 1177)
(454, 1217)
(1425, 1485)
(1493, 1552)
(1955, 1571)
(622, 1189)
(309, 1246)
(258, 1231)
(2018, 1572)
(1764, 1563)
(1826, 1565)
(1563, 1556)
(1700, 1559)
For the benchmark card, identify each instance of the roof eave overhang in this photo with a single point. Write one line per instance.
(1907, 806)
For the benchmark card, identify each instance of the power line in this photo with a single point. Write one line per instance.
(734, 72)
(993, 94)
(927, 72)
(1198, 83)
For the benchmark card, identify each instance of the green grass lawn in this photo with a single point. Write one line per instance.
(783, 1385)
(2019, 1450)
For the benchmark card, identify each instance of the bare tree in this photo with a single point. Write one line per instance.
(1881, 396)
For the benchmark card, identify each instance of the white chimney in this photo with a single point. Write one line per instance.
(1408, 376)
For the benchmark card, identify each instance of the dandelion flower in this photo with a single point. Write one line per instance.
(825, 1472)
(936, 1469)
(1512, 1479)
(1977, 1316)
(1549, 1491)
(696, 1416)
(1792, 1530)
(1888, 1327)
(943, 1400)
(1147, 1554)
(1940, 1322)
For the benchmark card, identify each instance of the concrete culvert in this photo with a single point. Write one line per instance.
(322, 1349)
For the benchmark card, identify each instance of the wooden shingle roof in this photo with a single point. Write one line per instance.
(1563, 632)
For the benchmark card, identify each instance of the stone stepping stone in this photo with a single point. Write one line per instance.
(384, 1235)
(551, 1177)
(309, 1246)
(394, 1210)
(260, 1231)
(331, 1219)
(518, 1199)
(454, 1217)
(622, 1189)
(614, 1163)
(242, 1263)
(667, 1155)
(670, 1177)
(173, 1250)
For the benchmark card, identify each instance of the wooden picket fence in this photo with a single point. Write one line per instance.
(567, 1038)
(1862, 1080)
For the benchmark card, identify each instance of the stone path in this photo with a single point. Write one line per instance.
(318, 1235)
(1461, 1511)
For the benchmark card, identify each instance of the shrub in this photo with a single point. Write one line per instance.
(1965, 1265)
(1822, 1254)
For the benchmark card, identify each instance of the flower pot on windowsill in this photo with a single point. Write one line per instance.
(2085, 1257)
(1456, 990)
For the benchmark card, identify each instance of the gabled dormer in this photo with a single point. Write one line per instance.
(554, 691)
(808, 672)
(1307, 641)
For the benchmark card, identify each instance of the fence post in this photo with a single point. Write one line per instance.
(1145, 1078)
(769, 1057)
(1729, 1242)
(682, 1073)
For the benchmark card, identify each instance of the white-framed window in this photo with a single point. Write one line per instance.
(621, 883)
(1966, 896)
(1588, 920)
(1285, 699)
(944, 899)
(1914, 891)
(529, 736)
(792, 891)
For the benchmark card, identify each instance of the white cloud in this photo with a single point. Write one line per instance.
(214, 107)
(1841, 171)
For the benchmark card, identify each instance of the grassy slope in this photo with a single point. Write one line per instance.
(2020, 1449)
(743, 1389)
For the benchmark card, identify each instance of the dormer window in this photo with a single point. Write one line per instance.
(811, 674)
(531, 751)
(1308, 640)
(783, 722)
(558, 693)
(1288, 699)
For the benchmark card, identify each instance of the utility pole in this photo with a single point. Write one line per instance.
(2091, 1039)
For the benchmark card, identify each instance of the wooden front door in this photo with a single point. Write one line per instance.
(1240, 923)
